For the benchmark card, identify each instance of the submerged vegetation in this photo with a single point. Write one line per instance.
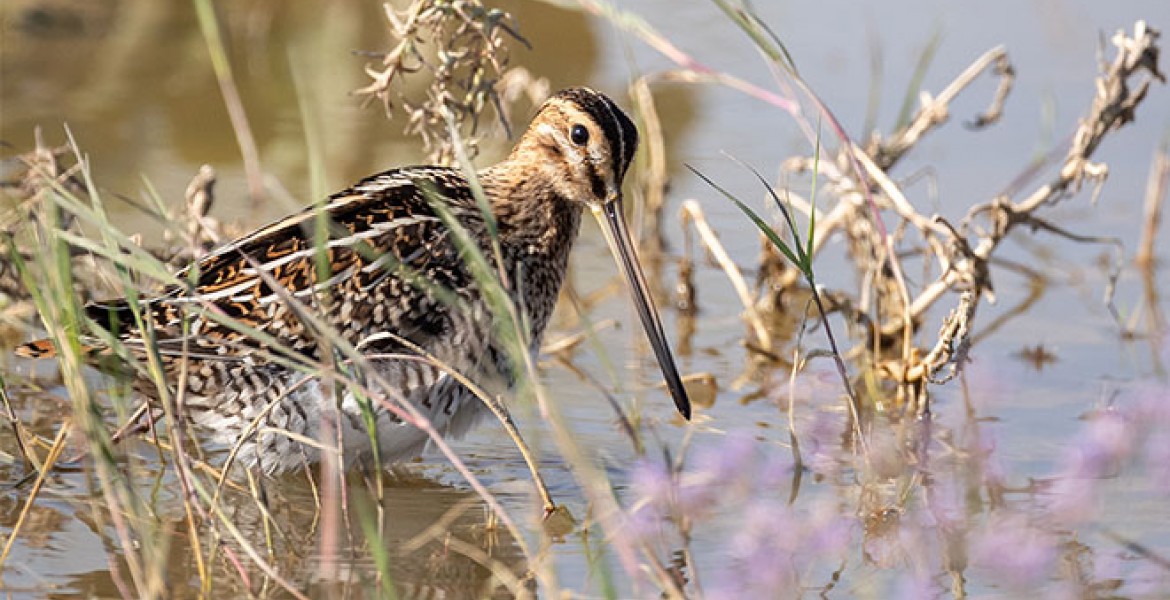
(871, 490)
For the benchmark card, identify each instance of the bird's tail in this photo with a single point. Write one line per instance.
(113, 316)
(38, 349)
(47, 349)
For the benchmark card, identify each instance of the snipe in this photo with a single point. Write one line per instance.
(396, 284)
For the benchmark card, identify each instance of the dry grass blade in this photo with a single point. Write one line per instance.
(19, 432)
(209, 23)
(691, 212)
(1157, 188)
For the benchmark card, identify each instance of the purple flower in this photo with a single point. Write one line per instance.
(984, 446)
(651, 481)
(916, 587)
(1153, 410)
(763, 552)
(1107, 441)
(946, 505)
(645, 522)
(1072, 499)
(775, 471)
(1154, 405)
(1016, 552)
(1108, 567)
(821, 443)
(827, 531)
(1157, 457)
(990, 385)
(730, 464)
(766, 525)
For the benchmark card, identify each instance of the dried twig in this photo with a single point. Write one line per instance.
(653, 175)
(460, 47)
(1156, 189)
(963, 260)
(692, 213)
(209, 23)
(1113, 106)
(935, 110)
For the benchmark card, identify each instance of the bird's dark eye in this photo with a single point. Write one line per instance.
(579, 134)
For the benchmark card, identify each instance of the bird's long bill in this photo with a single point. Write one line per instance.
(622, 247)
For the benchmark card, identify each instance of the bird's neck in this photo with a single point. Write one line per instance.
(537, 228)
(528, 208)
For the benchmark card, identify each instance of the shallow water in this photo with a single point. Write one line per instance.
(132, 81)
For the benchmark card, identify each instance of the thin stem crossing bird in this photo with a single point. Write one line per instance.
(385, 271)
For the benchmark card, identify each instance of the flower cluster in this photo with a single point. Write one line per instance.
(919, 517)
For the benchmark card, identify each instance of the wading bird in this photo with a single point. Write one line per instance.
(385, 271)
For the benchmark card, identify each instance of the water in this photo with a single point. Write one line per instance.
(133, 82)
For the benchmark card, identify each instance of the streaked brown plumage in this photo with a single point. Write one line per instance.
(394, 268)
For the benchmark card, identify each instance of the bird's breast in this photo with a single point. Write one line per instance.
(538, 267)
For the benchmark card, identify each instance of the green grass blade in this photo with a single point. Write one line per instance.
(915, 84)
(767, 230)
(812, 197)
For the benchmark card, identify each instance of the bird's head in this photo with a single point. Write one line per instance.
(582, 145)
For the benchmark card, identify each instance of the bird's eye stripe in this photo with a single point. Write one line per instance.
(619, 133)
(612, 135)
(595, 181)
(619, 157)
(629, 137)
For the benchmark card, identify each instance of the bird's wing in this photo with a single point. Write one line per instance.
(384, 266)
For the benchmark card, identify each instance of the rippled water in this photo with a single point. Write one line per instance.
(133, 82)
